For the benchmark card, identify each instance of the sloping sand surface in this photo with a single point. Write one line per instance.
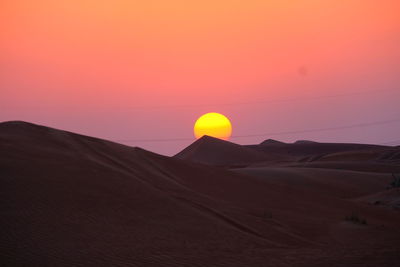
(338, 183)
(362, 166)
(389, 198)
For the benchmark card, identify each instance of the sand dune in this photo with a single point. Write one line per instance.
(309, 151)
(354, 157)
(213, 151)
(74, 200)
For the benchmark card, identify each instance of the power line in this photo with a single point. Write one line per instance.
(256, 102)
(277, 100)
(155, 140)
(359, 125)
(342, 127)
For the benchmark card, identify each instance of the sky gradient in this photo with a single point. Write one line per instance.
(134, 70)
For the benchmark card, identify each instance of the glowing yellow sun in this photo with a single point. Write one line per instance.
(213, 124)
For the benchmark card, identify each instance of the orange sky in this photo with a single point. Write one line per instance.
(113, 68)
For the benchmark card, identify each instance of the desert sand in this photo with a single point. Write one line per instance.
(74, 200)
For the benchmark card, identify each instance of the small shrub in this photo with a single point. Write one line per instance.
(396, 181)
(354, 218)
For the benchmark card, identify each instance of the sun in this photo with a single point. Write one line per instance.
(213, 124)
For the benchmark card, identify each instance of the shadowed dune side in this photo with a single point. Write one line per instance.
(310, 151)
(73, 200)
(362, 166)
(338, 183)
(299, 198)
(391, 154)
(381, 154)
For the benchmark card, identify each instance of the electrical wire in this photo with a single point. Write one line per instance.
(342, 127)
(277, 100)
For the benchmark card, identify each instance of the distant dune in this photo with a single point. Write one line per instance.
(213, 151)
(309, 150)
(272, 142)
(74, 200)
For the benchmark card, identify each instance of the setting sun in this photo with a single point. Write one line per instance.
(213, 124)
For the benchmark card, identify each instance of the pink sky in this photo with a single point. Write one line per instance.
(132, 70)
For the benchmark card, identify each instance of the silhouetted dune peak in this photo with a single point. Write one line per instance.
(211, 141)
(271, 142)
(38, 137)
(25, 130)
(14, 123)
(19, 125)
(207, 138)
(215, 151)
